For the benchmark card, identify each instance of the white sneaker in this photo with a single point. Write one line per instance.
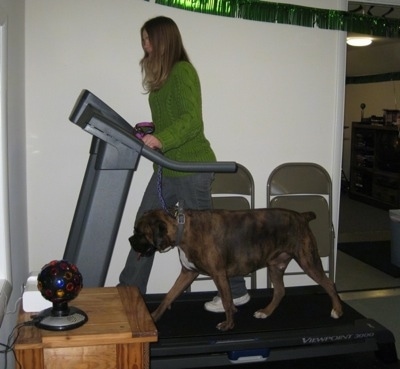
(215, 305)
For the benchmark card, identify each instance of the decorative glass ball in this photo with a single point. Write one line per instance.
(59, 281)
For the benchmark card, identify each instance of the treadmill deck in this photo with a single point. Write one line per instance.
(301, 327)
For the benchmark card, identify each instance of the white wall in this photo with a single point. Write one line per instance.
(271, 94)
(13, 10)
(5, 249)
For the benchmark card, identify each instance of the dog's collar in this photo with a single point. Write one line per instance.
(180, 218)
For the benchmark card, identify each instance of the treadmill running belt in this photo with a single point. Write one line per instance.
(188, 318)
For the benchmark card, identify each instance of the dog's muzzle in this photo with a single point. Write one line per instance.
(145, 250)
(149, 252)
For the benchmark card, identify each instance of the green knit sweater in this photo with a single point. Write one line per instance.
(177, 114)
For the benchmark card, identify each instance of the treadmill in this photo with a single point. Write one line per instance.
(300, 328)
(114, 156)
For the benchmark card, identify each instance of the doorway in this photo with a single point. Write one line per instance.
(360, 222)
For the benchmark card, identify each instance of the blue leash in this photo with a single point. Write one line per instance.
(140, 130)
(159, 190)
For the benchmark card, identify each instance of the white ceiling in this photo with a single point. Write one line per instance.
(383, 56)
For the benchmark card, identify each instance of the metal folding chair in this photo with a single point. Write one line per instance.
(233, 191)
(306, 187)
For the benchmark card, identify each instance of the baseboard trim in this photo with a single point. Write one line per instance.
(364, 236)
(369, 294)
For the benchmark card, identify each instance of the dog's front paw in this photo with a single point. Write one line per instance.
(335, 314)
(225, 326)
(260, 315)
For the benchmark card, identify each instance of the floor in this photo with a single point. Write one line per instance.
(361, 222)
(374, 294)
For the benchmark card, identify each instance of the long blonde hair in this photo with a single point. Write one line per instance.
(167, 49)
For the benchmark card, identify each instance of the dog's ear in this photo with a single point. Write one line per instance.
(160, 231)
(153, 230)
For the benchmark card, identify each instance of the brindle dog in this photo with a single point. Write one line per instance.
(222, 244)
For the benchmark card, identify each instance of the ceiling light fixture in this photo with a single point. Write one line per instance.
(359, 41)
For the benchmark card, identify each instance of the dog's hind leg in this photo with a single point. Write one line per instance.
(276, 270)
(184, 280)
(311, 263)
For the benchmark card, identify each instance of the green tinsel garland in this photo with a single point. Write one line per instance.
(264, 11)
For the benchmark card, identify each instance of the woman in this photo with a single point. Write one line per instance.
(175, 103)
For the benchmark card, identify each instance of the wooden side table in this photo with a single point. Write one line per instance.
(116, 336)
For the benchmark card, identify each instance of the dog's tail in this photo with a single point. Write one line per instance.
(309, 215)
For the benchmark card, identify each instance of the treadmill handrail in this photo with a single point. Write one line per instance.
(107, 130)
(188, 166)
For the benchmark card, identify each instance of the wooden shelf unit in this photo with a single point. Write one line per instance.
(372, 180)
(116, 336)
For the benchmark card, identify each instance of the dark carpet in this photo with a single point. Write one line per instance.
(375, 254)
